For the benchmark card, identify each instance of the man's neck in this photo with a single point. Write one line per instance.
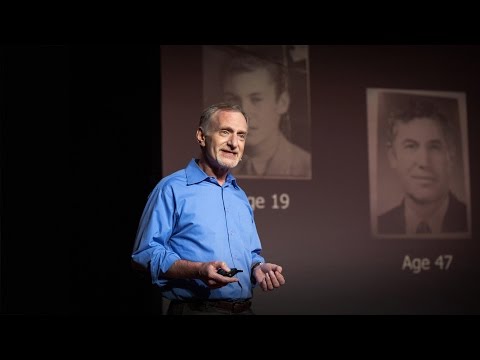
(219, 173)
(259, 158)
(424, 210)
(265, 149)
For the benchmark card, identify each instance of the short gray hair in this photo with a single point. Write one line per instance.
(209, 113)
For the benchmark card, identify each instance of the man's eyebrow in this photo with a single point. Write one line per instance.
(255, 93)
(409, 140)
(435, 140)
(232, 129)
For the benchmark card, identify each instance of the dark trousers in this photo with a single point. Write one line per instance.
(210, 308)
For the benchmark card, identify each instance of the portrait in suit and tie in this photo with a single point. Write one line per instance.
(418, 164)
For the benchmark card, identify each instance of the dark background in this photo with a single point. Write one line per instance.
(76, 172)
(80, 133)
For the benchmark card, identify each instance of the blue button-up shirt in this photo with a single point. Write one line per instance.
(189, 216)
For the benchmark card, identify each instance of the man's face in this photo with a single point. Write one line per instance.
(421, 157)
(255, 92)
(225, 139)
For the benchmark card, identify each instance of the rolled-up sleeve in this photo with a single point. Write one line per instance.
(151, 250)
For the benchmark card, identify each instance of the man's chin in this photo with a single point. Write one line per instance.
(229, 164)
(234, 164)
(425, 198)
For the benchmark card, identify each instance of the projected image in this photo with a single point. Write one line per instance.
(270, 82)
(418, 162)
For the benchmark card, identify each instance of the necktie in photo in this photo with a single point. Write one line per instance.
(423, 228)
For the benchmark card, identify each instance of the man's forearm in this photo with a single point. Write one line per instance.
(184, 269)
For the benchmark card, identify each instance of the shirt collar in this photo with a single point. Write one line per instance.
(434, 221)
(196, 175)
(231, 179)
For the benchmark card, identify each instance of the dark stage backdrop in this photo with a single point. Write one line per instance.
(320, 229)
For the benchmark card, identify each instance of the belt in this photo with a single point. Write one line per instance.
(234, 307)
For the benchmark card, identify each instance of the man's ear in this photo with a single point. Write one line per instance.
(283, 103)
(392, 157)
(200, 136)
(451, 155)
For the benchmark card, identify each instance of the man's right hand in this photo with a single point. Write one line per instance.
(209, 275)
(205, 271)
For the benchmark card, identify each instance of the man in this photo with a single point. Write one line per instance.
(421, 149)
(260, 86)
(198, 222)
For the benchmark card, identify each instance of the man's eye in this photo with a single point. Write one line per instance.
(231, 99)
(436, 146)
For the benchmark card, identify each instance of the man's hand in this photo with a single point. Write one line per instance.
(208, 274)
(269, 276)
(205, 271)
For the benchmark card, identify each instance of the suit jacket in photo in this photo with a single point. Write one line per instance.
(455, 220)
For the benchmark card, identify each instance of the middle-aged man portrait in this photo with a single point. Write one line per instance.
(422, 187)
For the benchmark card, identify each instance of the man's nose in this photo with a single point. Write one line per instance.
(423, 156)
(246, 106)
(233, 141)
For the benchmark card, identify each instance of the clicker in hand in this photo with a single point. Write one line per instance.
(232, 272)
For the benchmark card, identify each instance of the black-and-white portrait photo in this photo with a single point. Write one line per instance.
(270, 83)
(418, 164)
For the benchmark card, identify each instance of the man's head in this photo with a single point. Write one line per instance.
(421, 148)
(221, 134)
(260, 86)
